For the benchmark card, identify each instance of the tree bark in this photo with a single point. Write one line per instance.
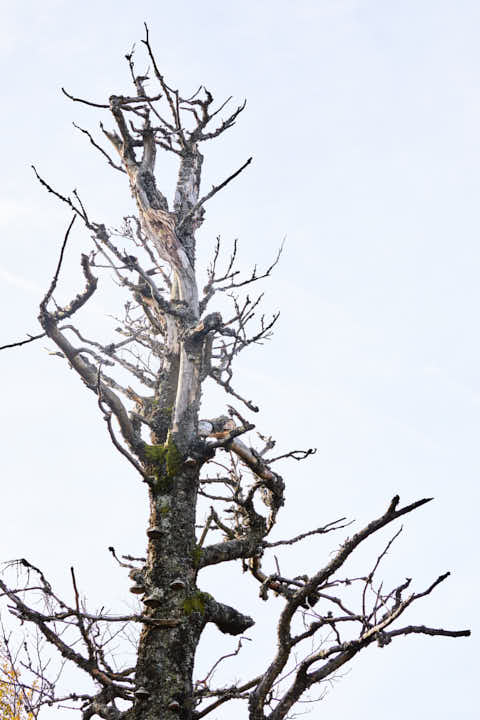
(166, 654)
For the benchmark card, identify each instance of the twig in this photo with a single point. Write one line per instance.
(215, 189)
(319, 531)
(31, 338)
(107, 416)
(53, 284)
(295, 454)
(85, 102)
(98, 147)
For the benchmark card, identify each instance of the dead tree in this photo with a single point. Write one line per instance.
(168, 345)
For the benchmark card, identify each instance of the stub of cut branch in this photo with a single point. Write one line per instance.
(228, 620)
(224, 430)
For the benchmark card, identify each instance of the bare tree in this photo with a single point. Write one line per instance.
(147, 382)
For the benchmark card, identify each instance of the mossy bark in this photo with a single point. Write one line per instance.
(166, 654)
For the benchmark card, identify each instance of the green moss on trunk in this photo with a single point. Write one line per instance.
(197, 555)
(165, 463)
(195, 603)
(173, 457)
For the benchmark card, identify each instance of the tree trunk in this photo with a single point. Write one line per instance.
(166, 654)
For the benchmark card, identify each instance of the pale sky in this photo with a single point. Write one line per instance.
(363, 119)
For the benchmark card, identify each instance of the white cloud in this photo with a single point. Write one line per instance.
(18, 281)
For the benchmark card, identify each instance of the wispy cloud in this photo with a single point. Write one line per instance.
(18, 281)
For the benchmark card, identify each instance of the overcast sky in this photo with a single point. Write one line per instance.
(363, 119)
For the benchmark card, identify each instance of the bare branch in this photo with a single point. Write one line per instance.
(329, 527)
(85, 102)
(53, 284)
(294, 454)
(100, 149)
(58, 195)
(215, 189)
(107, 416)
(30, 339)
(423, 630)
